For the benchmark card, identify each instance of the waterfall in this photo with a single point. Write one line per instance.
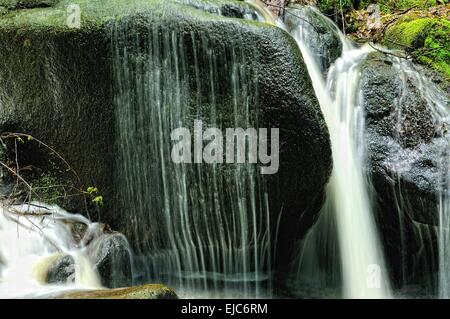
(202, 228)
(361, 256)
(36, 235)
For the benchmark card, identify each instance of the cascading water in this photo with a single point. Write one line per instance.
(36, 235)
(205, 229)
(201, 228)
(359, 246)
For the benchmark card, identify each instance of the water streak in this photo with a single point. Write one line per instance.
(197, 227)
(360, 249)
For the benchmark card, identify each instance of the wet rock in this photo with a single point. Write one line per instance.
(404, 145)
(61, 270)
(63, 76)
(322, 34)
(141, 292)
(404, 142)
(110, 254)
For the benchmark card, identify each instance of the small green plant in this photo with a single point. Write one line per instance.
(35, 184)
(96, 198)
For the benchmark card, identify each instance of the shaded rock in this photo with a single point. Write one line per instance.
(61, 270)
(405, 147)
(403, 139)
(140, 292)
(110, 254)
(320, 32)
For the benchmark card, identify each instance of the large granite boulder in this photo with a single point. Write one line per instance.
(60, 83)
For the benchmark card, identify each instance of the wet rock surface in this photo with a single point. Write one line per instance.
(62, 270)
(404, 145)
(404, 142)
(110, 254)
(323, 34)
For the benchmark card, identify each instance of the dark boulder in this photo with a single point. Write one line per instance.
(404, 144)
(57, 84)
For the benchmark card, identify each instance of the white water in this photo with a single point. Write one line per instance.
(30, 241)
(362, 261)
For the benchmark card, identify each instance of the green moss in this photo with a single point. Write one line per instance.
(95, 13)
(8, 3)
(330, 6)
(388, 6)
(48, 189)
(427, 40)
(406, 32)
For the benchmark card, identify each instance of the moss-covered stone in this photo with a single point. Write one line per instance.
(142, 292)
(56, 83)
(387, 6)
(426, 39)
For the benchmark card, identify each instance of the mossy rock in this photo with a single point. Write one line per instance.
(387, 6)
(57, 84)
(426, 39)
(152, 291)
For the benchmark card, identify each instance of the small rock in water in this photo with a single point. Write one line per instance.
(62, 270)
(110, 253)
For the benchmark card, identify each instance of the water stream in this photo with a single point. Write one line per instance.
(35, 235)
(361, 254)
